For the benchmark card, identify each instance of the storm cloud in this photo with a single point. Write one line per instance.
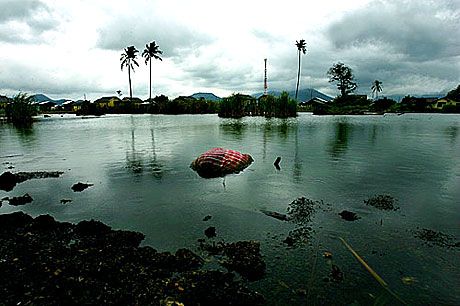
(25, 21)
(173, 37)
(411, 47)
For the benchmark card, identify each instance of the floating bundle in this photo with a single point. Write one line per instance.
(220, 162)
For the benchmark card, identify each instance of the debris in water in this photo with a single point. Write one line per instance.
(207, 218)
(431, 238)
(275, 215)
(383, 202)
(277, 163)
(78, 187)
(349, 216)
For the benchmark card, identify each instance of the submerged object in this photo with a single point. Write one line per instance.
(219, 162)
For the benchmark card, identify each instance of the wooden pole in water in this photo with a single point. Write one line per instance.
(372, 272)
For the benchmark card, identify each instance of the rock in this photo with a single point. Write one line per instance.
(65, 201)
(78, 187)
(16, 201)
(244, 258)
(207, 218)
(92, 228)
(7, 181)
(349, 216)
(210, 232)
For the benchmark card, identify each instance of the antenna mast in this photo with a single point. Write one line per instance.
(265, 77)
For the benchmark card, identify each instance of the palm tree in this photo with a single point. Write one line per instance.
(127, 60)
(301, 47)
(376, 88)
(151, 50)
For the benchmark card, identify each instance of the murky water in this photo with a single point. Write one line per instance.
(139, 166)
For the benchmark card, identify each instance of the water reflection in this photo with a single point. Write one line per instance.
(452, 132)
(339, 144)
(26, 135)
(136, 160)
(233, 127)
(155, 166)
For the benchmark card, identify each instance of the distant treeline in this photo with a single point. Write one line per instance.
(234, 106)
(239, 105)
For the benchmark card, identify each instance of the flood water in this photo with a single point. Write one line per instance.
(139, 165)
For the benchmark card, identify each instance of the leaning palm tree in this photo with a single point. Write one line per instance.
(151, 50)
(128, 58)
(376, 88)
(301, 48)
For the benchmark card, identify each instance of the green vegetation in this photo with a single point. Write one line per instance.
(20, 110)
(376, 88)
(239, 105)
(128, 58)
(151, 50)
(182, 105)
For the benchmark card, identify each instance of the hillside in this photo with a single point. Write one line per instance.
(303, 95)
(206, 95)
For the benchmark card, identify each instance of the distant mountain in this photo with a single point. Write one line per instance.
(42, 98)
(303, 95)
(206, 95)
(398, 98)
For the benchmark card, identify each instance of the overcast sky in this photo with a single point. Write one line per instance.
(66, 49)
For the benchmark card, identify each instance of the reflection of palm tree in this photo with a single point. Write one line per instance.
(301, 47)
(128, 58)
(376, 88)
(151, 50)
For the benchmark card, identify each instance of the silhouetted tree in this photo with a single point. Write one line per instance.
(344, 76)
(151, 50)
(376, 88)
(301, 48)
(128, 58)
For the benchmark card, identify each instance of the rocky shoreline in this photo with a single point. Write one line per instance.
(46, 262)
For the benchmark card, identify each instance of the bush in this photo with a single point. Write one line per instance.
(20, 110)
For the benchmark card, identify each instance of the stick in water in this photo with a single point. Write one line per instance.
(372, 272)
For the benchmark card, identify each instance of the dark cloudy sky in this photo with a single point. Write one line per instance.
(66, 49)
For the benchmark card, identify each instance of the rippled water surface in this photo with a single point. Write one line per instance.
(139, 166)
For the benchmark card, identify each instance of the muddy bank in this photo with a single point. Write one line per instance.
(48, 262)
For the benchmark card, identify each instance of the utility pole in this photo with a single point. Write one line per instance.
(265, 77)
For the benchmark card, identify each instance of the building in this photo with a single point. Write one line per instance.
(107, 101)
(4, 100)
(440, 103)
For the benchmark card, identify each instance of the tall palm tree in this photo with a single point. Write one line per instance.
(376, 88)
(301, 48)
(151, 50)
(128, 58)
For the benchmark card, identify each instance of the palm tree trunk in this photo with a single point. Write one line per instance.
(130, 89)
(298, 78)
(150, 95)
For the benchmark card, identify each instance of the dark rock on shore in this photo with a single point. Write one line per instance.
(56, 263)
(349, 215)
(16, 201)
(9, 180)
(210, 232)
(243, 257)
(79, 187)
